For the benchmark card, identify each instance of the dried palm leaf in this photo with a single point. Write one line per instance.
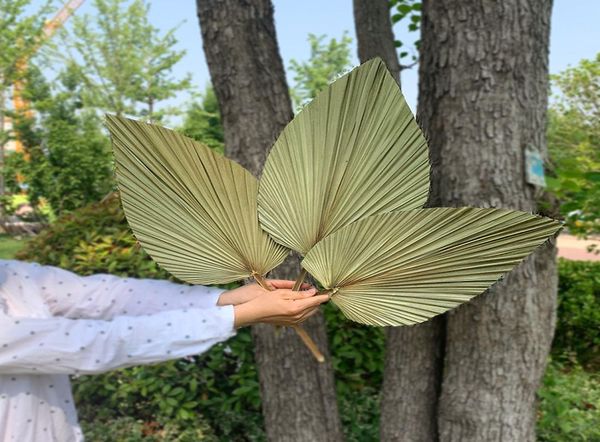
(406, 267)
(192, 210)
(354, 151)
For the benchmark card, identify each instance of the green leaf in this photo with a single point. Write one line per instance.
(406, 267)
(193, 211)
(354, 151)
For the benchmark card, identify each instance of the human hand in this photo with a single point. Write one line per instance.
(249, 292)
(279, 307)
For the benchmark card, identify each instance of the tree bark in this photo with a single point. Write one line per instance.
(298, 393)
(374, 33)
(413, 355)
(483, 93)
(482, 100)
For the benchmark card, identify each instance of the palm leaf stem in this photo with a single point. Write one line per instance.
(300, 280)
(299, 330)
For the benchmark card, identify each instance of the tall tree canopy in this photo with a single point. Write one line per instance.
(20, 34)
(66, 158)
(327, 61)
(574, 145)
(124, 61)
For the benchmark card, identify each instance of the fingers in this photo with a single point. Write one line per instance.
(291, 295)
(285, 284)
(312, 301)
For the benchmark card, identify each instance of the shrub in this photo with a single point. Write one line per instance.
(569, 405)
(578, 324)
(127, 429)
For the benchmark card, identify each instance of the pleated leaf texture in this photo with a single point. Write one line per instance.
(192, 210)
(405, 267)
(354, 151)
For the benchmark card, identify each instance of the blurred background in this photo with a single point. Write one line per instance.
(65, 64)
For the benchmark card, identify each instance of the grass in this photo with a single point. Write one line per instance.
(9, 246)
(569, 405)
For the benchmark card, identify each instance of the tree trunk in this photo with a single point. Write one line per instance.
(413, 355)
(483, 93)
(482, 100)
(240, 44)
(374, 33)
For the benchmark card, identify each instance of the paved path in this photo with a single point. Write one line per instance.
(569, 247)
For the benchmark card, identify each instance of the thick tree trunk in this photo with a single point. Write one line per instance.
(413, 355)
(374, 33)
(241, 49)
(482, 100)
(411, 382)
(483, 93)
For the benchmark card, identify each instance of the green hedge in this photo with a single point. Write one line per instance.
(578, 324)
(569, 408)
(216, 396)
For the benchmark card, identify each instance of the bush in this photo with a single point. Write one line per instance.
(569, 405)
(127, 429)
(94, 239)
(578, 324)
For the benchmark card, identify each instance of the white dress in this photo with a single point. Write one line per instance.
(54, 323)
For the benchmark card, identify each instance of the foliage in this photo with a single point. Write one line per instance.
(125, 62)
(357, 357)
(20, 34)
(574, 146)
(66, 159)
(91, 240)
(569, 405)
(578, 312)
(411, 10)
(202, 121)
(327, 62)
(219, 387)
(127, 429)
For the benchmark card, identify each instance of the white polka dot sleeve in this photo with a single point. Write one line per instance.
(50, 321)
(71, 346)
(105, 296)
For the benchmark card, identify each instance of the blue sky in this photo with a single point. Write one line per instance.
(575, 33)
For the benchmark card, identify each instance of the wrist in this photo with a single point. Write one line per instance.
(244, 315)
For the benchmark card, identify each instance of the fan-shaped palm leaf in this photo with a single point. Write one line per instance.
(193, 211)
(406, 267)
(354, 151)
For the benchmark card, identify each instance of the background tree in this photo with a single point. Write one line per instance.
(19, 38)
(202, 121)
(496, 347)
(66, 158)
(326, 62)
(574, 146)
(124, 61)
(374, 33)
(298, 393)
(412, 354)
(488, 390)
